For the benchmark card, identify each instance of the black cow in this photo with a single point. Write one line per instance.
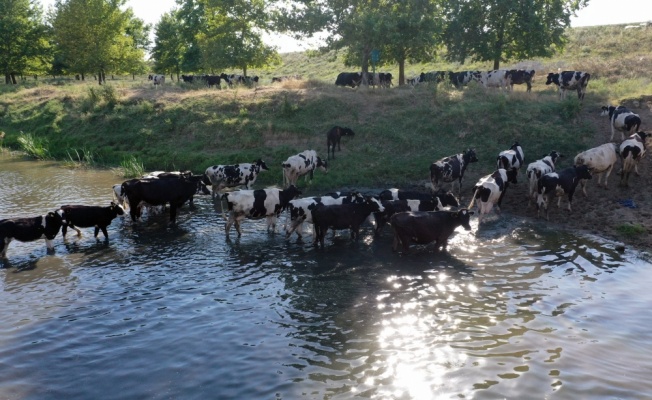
(160, 192)
(212, 80)
(423, 227)
(333, 138)
(558, 184)
(446, 198)
(343, 216)
(301, 209)
(396, 206)
(570, 80)
(188, 78)
(451, 168)
(352, 79)
(30, 229)
(87, 216)
(519, 77)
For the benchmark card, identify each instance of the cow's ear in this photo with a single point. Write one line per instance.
(113, 204)
(50, 214)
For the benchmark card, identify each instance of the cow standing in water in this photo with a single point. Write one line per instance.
(451, 169)
(30, 229)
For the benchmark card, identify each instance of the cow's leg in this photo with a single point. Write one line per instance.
(229, 223)
(4, 243)
(583, 183)
(79, 233)
(606, 175)
(395, 241)
(238, 221)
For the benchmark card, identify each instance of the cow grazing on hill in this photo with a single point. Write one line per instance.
(334, 137)
(30, 229)
(396, 206)
(257, 204)
(433, 76)
(519, 77)
(570, 80)
(558, 184)
(157, 79)
(302, 164)
(445, 198)
(631, 151)
(352, 79)
(490, 190)
(301, 209)
(423, 227)
(88, 216)
(496, 78)
(463, 78)
(450, 169)
(343, 216)
(600, 161)
(538, 169)
(222, 176)
(511, 159)
(621, 119)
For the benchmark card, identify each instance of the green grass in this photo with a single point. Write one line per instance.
(631, 230)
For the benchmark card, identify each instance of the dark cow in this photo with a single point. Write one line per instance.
(423, 227)
(451, 168)
(352, 79)
(232, 79)
(188, 78)
(396, 206)
(511, 159)
(622, 119)
(160, 192)
(433, 76)
(87, 216)
(463, 78)
(257, 204)
(212, 80)
(382, 79)
(445, 198)
(333, 138)
(301, 209)
(521, 76)
(570, 80)
(631, 151)
(30, 229)
(539, 168)
(250, 80)
(302, 164)
(286, 78)
(343, 216)
(221, 176)
(490, 190)
(558, 184)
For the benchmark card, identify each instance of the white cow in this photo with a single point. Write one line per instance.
(302, 164)
(538, 169)
(497, 78)
(600, 161)
(157, 79)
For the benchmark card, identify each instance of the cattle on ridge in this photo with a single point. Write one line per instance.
(352, 79)
(521, 76)
(570, 80)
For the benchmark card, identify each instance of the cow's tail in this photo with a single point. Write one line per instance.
(225, 196)
(475, 194)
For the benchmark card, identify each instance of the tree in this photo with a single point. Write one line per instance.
(500, 30)
(24, 46)
(169, 45)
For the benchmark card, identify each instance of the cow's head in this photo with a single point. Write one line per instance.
(552, 78)
(291, 192)
(447, 198)
(375, 204)
(117, 209)
(469, 156)
(606, 110)
(322, 164)
(53, 222)
(582, 172)
(554, 155)
(347, 132)
(260, 163)
(464, 217)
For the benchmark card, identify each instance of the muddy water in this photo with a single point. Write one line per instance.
(513, 310)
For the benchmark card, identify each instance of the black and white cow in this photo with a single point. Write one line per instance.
(463, 78)
(396, 206)
(433, 76)
(222, 176)
(497, 78)
(343, 216)
(631, 151)
(157, 79)
(87, 216)
(538, 169)
(257, 204)
(558, 184)
(570, 80)
(302, 164)
(511, 159)
(622, 119)
(160, 192)
(490, 190)
(442, 196)
(427, 226)
(521, 76)
(451, 168)
(30, 229)
(600, 161)
(301, 209)
(232, 79)
(352, 79)
(333, 138)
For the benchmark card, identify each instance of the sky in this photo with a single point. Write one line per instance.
(598, 12)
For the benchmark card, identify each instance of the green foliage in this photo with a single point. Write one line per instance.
(34, 146)
(83, 159)
(132, 167)
(631, 230)
(105, 96)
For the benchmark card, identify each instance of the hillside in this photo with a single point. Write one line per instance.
(399, 131)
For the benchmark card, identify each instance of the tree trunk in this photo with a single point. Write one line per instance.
(401, 72)
(7, 80)
(99, 78)
(365, 67)
(13, 79)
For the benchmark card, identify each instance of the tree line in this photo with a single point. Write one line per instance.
(97, 37)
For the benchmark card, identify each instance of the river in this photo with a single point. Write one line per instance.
(514, 309)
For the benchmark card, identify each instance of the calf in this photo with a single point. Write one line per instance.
(301, 209)
(491, 189)
(443, 197)
(570, 80)
(343, 216)
(600, 161)
(519, 77)
(511, 159)
(423, 227)
(257, 204)
(538, 169)
(30, 229)
(396, 206)
(451, 168)
(87, 216)
(221, 176)
(558, 184)
(302, 164)
(333, 138)
(621, 119)
(631, 151)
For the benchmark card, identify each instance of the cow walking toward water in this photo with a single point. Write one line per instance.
(559, 184)
(600, 161)
(490, 190)
(631, 151)
(79, 216)
(538, 169)
(450, 169)
(511, 159)
(302, 164)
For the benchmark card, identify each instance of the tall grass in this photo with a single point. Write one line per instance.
(33, 146)
(81, 159)
(132, 167)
